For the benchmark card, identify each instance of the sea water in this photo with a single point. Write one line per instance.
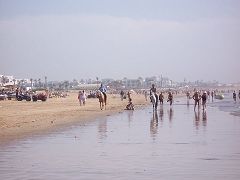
(227, 104)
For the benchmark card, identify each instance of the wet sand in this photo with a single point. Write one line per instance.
(172, 143)
(20, 119)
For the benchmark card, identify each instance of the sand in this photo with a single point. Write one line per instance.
(21, 118)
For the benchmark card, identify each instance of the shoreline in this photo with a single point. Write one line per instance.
(20, 119)
(23, 119)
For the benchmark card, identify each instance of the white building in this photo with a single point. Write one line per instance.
(7, 80)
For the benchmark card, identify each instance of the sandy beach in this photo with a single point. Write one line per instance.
(23, 118)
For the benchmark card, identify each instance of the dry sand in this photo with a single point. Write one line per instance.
(19, 119)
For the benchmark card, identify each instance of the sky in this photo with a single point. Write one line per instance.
(76, 39)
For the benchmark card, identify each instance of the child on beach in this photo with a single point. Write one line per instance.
(130, 105)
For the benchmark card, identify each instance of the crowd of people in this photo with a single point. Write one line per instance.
(235, 95)
(199, 97)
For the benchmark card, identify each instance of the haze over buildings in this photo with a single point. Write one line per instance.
(196, 40)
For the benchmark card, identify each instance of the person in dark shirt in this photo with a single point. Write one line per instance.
(170, 98)
(204, 100)
(234, 96)
(17, 92)
(161, 97)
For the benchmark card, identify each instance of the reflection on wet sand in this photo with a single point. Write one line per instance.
(130, 117)
(154, 125)
(188, 104)
(204, 118)
(102, 129)
(199, 117)
(170, 114)
(161, 113)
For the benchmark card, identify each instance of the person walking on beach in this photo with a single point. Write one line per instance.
(239, 94)
(212, 94)
(204, 100)
(161, 97)
(154, 91)
(234, 96)
(208, 94)
(145, 94)
(103, 89)
(188, 97)
(196, 99)
(170, 97)
(17, 92)
(129, 95)
(82, 98)
(122, 95)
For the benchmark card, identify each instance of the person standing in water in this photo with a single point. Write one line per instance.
(239, 94)
(234, 96)
(161, 97)
(196, 99)
(154, 91)
(204, 100)
(212, 94)
(170, 97)
(145, 94)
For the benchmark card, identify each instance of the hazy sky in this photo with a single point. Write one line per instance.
(66, 39)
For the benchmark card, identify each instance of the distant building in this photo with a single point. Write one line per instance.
(107, 81)
(150, 80)
(7, 80)
(132, 83)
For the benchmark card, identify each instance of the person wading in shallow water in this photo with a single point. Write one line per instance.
(239, 94)
(161, 97)
(170, 98)
(196, 99)
(204, 100)
(154, 91)
(234, 96)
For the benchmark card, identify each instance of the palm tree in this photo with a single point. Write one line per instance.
(66, 84)
(4, 79)
(22, 81)
(35, 82)
(14, 82)
(1, 80)
(45, 81)
(39, 82)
